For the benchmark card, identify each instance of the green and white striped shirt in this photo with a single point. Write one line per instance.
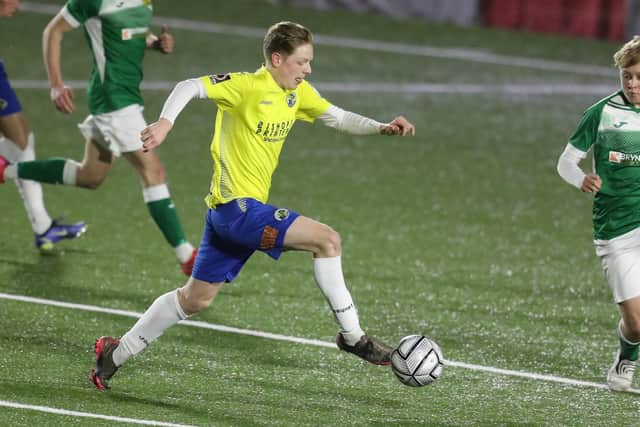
(612, 127)
(116, 31)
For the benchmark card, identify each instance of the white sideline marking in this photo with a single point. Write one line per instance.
(397, 88)
(471, 55)
(57, 411)
(279, 337)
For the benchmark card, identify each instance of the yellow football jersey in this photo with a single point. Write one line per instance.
(254, 118)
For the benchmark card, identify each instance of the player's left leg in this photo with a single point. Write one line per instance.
(620, 374)
(161, 207)
(122, 129)
(325, 244)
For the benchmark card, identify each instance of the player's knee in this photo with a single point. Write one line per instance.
(330, 245)
(633, 329)
(153, 175)
(194, 303)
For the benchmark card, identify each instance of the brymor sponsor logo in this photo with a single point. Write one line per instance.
(624, 158)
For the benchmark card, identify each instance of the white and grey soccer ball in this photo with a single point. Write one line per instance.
(417, 361)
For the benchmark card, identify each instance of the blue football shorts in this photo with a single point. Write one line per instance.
(233, 232)
(9, 103)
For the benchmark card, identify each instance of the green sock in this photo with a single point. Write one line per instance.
(164, 214)
(629, 351)
(49, 171)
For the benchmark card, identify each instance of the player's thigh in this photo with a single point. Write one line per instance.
(12, 123)
(96, 163)
(118, 131)
(218, 259)
(148, 166)
(310, 235)
(14, 127)
(622, 268)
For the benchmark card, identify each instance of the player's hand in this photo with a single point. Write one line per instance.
(165, 41)
(591, 183)
(398, 126)
(154, 134)
(8, 7)
(62, 97)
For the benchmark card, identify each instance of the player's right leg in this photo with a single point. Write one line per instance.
(619, 257)
(216, 263)
(164, 312)
(17, 144)
(320, 239)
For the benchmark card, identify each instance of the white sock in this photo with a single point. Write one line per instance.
(10, 172)
(184, 251)
(30, 191)
(330, 280)
(155, 193)
(160, 316)
(70, 172)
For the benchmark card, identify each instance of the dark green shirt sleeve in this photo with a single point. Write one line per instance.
(82, 10)
(587, 132)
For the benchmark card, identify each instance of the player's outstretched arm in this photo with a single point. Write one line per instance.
(357, 124)
(398, 126)
(154, 134)
(185, 91)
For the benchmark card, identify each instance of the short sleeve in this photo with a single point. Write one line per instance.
(586, 133)
(225, 89)
(312, 104)
(76, 12)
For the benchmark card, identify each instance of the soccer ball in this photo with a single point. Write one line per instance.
(417, 361)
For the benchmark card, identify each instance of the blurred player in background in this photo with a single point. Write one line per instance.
(17, 143)
(611, 127)
(118, 33)
(256, 111)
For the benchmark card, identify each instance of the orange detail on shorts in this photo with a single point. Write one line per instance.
(269, 236)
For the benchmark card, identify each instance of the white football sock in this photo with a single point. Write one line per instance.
(70, 172)
(30, 191)
(330, 280)
(184, 251)
(160, 316)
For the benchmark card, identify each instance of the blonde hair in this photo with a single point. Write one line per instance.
(629, 54)
(284, 37)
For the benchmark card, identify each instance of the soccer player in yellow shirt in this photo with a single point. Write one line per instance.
(256, 111)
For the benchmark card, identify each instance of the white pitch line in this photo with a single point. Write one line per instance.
(48, 410)
(306, 341)
(542, 89)
(469, 55)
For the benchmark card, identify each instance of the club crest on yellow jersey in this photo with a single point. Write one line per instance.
(218, 78)
(291, 99)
